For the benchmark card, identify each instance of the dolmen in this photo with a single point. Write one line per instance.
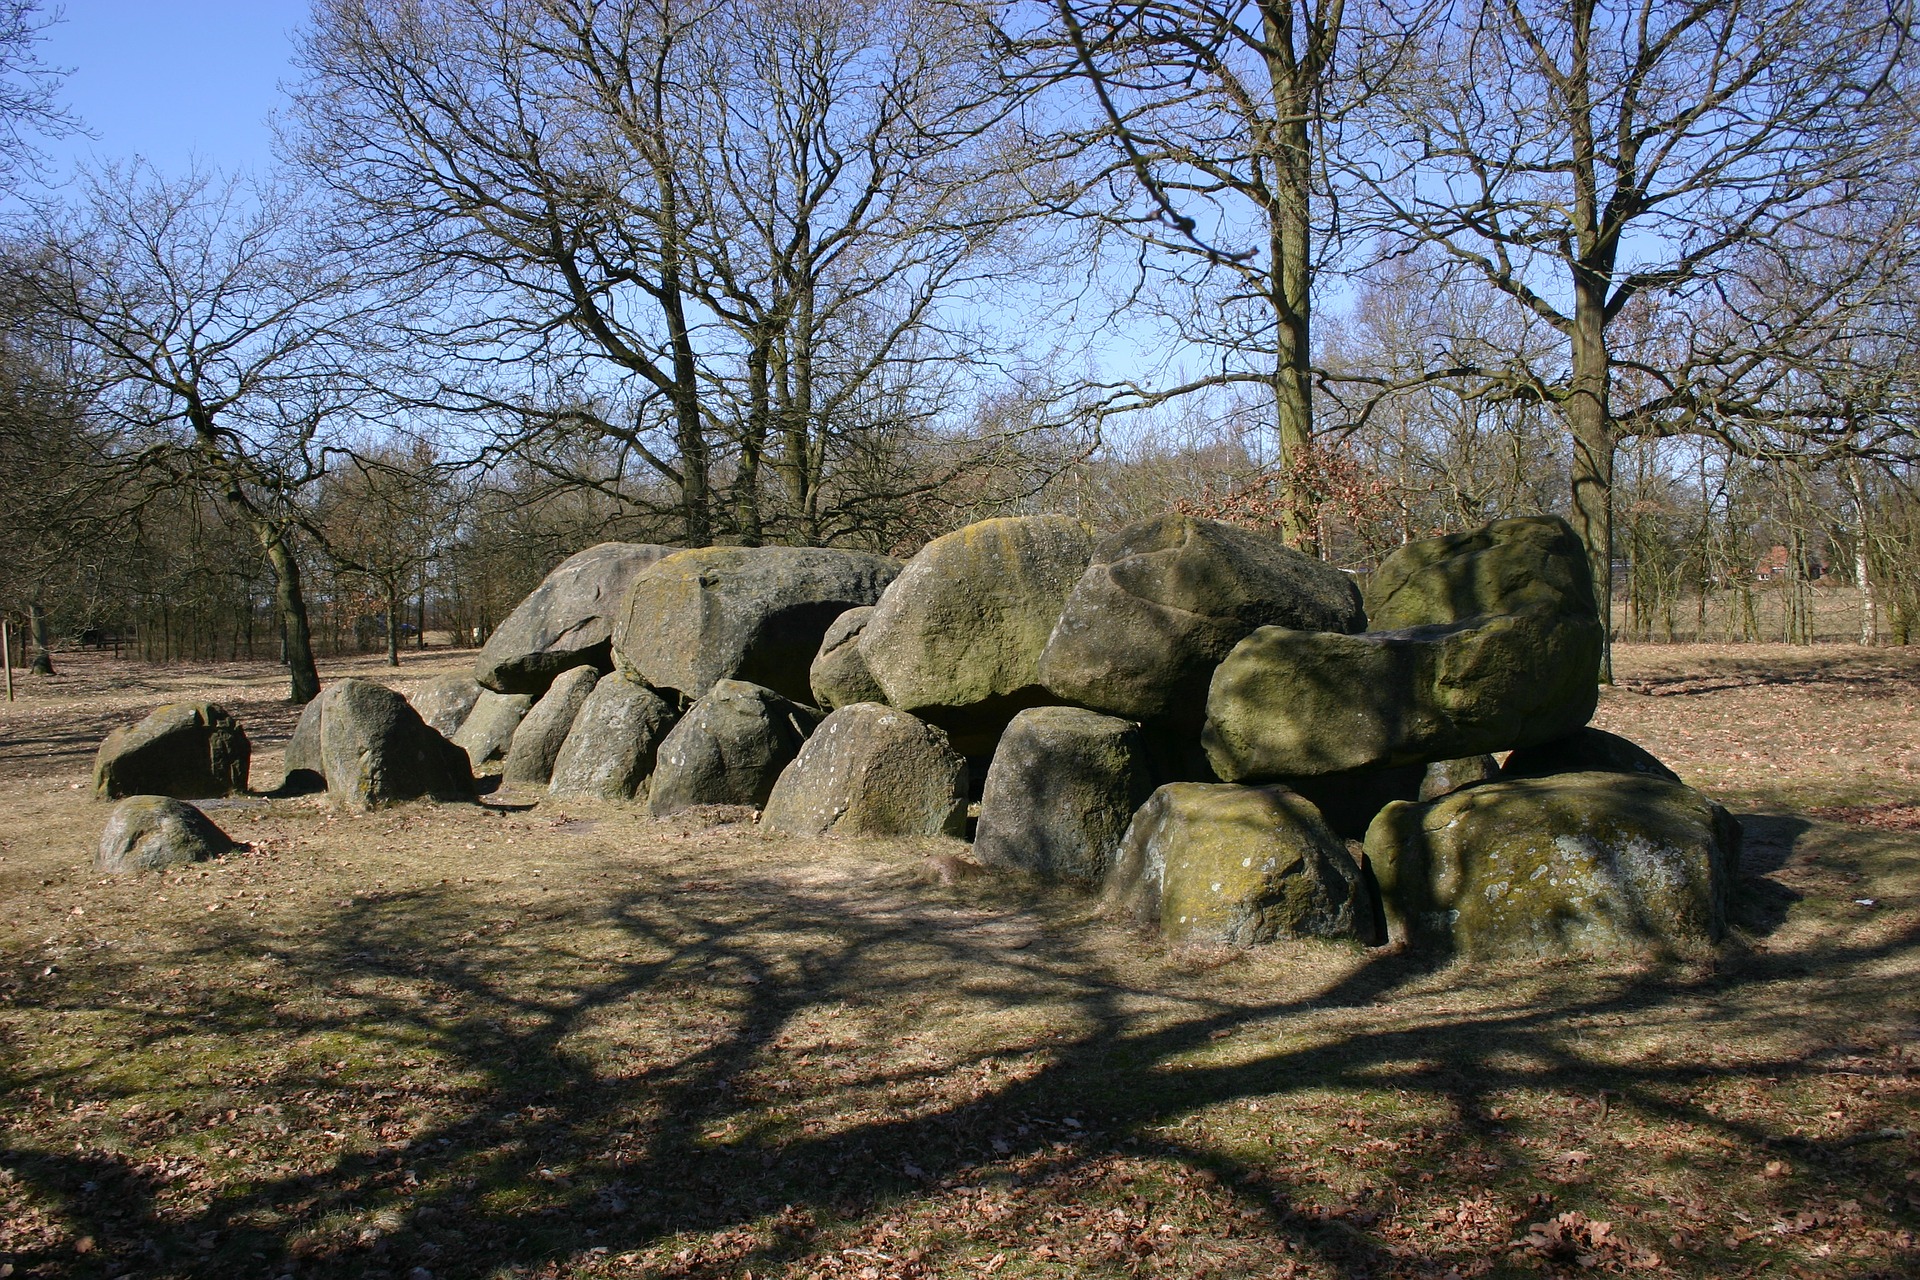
(1220, 739)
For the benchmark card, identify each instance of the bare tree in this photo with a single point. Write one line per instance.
(1585, 158)
(384, 514)
(224, 341)
(1206, 122)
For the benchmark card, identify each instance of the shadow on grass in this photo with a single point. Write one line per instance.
(613, 1096)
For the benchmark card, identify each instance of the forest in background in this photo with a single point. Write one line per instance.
(858, 272)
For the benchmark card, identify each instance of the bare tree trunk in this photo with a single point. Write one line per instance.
(1862, 568)
(1593, 435)
(393, 623)
(296, 639)
(37, 624)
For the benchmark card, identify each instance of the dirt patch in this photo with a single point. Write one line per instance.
(566, 1040)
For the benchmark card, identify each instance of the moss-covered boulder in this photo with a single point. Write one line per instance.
(729, 749)
(1216, 864)
(839, 675)
(609, 751)
(183, 749)
(871, 770)
(1529, 564)
(375, 749)
(567, 621)
(957, 638)
(487, 733)
(1062, 788)
(754, 614)
(540, 735)
(1306, 702)
(1166, 599)
(1587, 750)
(1577, 864)
(152, 833)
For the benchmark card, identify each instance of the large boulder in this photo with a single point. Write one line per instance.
(957, 638)
(304, 769)
(152, 833)
(1306, 702)
(375, 749)
(870, 770)
(1577, 864)
(567, 621)
(445, 702)
(729, 749)
(488, 731)
(756, 614)
(608, 754)
(839, 675)
(1444, 777)
(185, 749)
(1062, 788)
(1529, 564)
(1586, 750)
(1488, 640)
(1215, 864)
(1167, 598)
(537, 742)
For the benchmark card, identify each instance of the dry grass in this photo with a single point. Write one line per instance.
(497, 1040)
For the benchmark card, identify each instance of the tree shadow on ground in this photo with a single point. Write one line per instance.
(766, 1059)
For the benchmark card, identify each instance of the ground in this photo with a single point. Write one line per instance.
(503, 1040)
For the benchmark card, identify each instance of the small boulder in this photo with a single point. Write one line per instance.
(608, 754)
(488, 730)
(445, 702)
(1578, 864)
(152, 833)
(303, 768)
(541, 734)
(183, 749)
(1586, 750)
(1529, 564)
(839, 675)
(1221, 865)
(870, 770)
(1063, 785)
(1166, 599)
(729, 749)
(755, 614)
(1306, 702)
(957, 638)
(375, 749)
(1444, 777)
(566, 622)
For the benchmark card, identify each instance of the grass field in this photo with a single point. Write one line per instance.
(520, 1040)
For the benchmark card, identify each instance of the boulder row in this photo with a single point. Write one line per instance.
(541, 734)
(488, 730)
(375, 749)
(755, 614)
(870, 770)
(1219, 865)
(567, 621)
(608, 754)
(183, 749)
(1166, 599)
(1578, 864)
(152, 833)
(1063, 786)
(728, 749)
(957, 638)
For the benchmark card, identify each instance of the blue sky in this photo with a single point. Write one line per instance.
(173, 79)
